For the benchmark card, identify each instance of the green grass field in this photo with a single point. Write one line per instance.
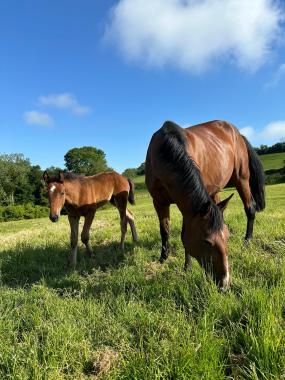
(273, 161)
(127, 316)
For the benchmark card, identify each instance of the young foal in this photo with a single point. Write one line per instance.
(82, 196)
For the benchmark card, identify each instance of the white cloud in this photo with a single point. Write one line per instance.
(271, 133)
(194, 34)
(274, 130)
(65, 100)
(277, 77)
(38, 118)
(248, 132)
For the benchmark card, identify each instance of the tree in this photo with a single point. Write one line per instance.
(86, 160)
(133, 172)
(13, 176)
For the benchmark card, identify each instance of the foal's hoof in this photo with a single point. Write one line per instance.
(162, 259)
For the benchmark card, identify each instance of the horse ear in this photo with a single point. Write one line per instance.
(45, 176)
(60, 176)
(223, 204)
(205, 208)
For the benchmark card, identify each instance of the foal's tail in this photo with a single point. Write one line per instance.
(131, 197)
(257, 177)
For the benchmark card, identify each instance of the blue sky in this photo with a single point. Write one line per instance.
(108, 73)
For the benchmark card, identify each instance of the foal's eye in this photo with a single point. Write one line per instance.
(62, 193)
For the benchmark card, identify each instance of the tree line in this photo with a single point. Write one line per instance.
(276, 148)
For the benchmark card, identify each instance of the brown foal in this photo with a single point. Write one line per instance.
(82, 196)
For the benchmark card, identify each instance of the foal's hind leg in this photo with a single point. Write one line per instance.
(120, 202)
(130, 220)
(163, 214)
(243, 189)
(85, 232)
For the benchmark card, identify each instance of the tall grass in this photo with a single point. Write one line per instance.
(129, 317)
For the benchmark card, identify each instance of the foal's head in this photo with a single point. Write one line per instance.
(56, 194)
(208, 243)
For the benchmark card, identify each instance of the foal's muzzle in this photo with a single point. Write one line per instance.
(54, 218)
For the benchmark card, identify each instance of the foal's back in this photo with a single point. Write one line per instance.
(101, 187)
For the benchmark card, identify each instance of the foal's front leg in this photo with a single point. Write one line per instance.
(74, 224)
(85, 232)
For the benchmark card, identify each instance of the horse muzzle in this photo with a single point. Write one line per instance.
(54, 218)
(224, 283)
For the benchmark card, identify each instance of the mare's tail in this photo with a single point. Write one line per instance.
(257, 177)
(131, 197)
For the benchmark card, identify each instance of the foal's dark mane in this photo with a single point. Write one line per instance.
(68, 176)
(185, 171)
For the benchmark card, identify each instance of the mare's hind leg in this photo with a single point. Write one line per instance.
(163, 214)
(187, 263)
(243, 189)
(74, 224)
(130, 220)
(85, 232)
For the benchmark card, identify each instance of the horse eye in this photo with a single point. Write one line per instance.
(62, 193)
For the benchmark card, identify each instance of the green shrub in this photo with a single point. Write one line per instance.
(25, 211)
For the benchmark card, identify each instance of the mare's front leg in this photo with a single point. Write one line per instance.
(187, 264)
(74, 224)
(85, 232)
(163, 214)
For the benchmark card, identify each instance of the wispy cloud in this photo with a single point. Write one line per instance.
(277, 77)
(194, 35)
(38, 118)
(271, 133)
(64, 100)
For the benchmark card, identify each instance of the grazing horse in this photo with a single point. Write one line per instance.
(189, 167)
(82, 196)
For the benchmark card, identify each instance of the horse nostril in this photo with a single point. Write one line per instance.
(54, 218)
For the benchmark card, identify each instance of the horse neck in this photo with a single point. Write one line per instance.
(73, 192)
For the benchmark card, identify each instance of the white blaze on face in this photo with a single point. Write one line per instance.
(52, 188)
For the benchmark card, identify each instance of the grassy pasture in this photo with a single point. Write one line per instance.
(127, 316)
(273, 161)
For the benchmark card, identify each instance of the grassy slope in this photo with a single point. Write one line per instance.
(273, 161)
(128, 317)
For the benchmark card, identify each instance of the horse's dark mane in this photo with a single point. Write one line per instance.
(67, 175)
(185, 171)
(72, 176)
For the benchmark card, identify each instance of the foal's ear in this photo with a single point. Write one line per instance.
(60, 177)
(223, 204)
(45, 176)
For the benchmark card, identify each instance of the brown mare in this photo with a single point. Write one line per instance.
(82, 196)
(189, 167)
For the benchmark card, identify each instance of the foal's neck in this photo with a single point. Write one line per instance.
(72, 192)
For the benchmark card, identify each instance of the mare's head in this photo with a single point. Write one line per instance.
(56, 194)
(208, 242)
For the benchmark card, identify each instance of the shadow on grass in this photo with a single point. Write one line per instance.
(26, 266)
